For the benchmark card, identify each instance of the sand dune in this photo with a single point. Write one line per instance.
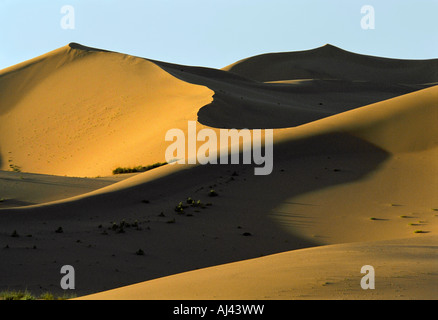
(329, 272)
(80, 111)
(25, 189)
(244, 103)
(354, 177)
(86, 112)
(324, 62)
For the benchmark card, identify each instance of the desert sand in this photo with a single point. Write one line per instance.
(354, 181)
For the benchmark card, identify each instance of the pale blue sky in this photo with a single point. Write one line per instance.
(215, 33)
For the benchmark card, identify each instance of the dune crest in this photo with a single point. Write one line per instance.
(324, 62)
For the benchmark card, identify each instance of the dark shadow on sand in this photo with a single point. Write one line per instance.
(239, 102)
(295, 165)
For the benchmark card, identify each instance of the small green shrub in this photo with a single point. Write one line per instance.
(16, 295)
(197, 204)
(47, 296)
(122, 225)
(66, 296)
(15, 168)
(180, 208)
(121, 170)
(25, 295)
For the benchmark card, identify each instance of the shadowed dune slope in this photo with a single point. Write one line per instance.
(324, 62)
(24, 189)
(329, 272)
(336, 81)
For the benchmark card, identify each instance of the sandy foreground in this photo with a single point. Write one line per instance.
(354, 180)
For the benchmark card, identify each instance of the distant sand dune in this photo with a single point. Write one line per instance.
(286, 102)
(324, 63)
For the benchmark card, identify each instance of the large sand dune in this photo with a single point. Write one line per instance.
(354, 168)
(81, 112)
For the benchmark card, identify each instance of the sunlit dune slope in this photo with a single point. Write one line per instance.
(79, 111)
(401, 124)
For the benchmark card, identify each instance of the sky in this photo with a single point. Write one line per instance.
(216, 33)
